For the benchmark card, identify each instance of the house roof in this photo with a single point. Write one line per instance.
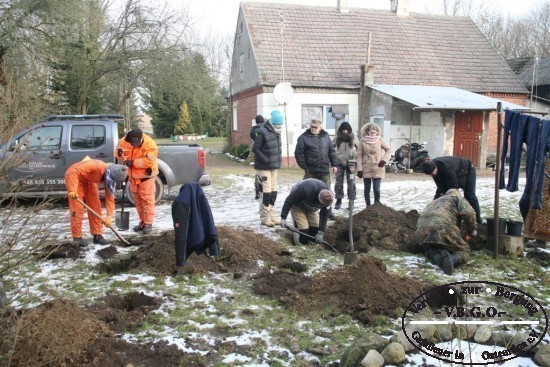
(430, 98)
(525, 69)
(325, 48)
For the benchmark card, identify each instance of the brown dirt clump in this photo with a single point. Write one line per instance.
(242, 249)
(362, 289)
(124, 313)
(376, 226)
(107, 252)
(53, 333)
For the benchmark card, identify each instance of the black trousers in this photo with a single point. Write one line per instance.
(470, 193)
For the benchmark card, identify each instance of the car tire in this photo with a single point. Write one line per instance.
(159, 191)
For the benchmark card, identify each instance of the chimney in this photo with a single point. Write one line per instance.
(342, 6)
(400, 7)
(367, 75)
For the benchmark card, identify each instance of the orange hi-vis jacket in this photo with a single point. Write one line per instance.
(144, 158)
(83, 178)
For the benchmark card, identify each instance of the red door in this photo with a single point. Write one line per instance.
(467, 141)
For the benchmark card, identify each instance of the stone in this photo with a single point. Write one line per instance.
(394, 353)
(353, 355)
(443, 333)
(542, 357)
(372, 359)
(483, 334)
(400, 338)
(519, 338)
(501, 338)
(464, 332)
(426, 331)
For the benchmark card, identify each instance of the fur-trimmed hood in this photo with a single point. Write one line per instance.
(368, 126)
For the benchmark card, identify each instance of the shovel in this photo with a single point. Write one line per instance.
(102, 221)
(313, 238)
(351, 256)
(122, 218)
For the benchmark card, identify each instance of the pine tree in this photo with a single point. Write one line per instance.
(184, 120)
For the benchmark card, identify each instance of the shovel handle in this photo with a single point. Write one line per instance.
(102, 221)
(307, 235)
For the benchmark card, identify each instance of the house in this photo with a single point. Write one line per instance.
(535, 76)
(354, 64)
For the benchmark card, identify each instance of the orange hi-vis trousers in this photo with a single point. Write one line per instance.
(89, 193)
(144, 197)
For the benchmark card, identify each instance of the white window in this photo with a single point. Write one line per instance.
(323, 113)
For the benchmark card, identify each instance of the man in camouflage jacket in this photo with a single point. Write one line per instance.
(438, 230)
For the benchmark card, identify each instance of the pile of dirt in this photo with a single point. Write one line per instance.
(241, 250)
(376, 226)
(52, 334)
(64, 250)
(362, 289)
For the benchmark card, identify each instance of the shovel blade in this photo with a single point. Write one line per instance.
(122, 220)
(350, 257)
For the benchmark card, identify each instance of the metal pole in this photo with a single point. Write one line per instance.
(286, 133)
(497, 180)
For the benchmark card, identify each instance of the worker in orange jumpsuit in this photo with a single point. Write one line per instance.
(81, 180)
(139, 153)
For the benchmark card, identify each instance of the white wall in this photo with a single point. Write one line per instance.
(293, 119)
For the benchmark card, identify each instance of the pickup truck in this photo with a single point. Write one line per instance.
(43, 152)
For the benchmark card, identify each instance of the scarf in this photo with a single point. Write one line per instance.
(371, 139)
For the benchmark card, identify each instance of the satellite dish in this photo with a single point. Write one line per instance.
(283, 93)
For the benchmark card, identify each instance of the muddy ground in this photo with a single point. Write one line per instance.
(62, 333)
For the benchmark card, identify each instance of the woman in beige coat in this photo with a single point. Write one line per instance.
(370, 160)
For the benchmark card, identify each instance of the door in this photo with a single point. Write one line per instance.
(38, 158)
(467, 140)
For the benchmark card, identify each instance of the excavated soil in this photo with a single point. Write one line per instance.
(63, 333)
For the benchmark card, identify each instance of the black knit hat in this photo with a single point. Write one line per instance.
(428, 167)
(134, 137)
(259, 119)
(345, 126)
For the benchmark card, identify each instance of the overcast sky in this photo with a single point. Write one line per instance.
(220, 16)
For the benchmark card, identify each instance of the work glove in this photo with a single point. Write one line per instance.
(107, 222)
(319, 237)
(382, 163)
(474, 233)
(129, 163)
(120, 153)
(283, 223)
(73, 195)
(360, 174)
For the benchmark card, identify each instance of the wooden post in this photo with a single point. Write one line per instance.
(497, 180)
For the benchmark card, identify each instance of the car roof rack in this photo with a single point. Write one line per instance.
(83, 117)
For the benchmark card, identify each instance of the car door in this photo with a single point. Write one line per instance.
(90, 139)
(38, 158)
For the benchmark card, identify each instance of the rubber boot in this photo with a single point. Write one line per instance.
(312, 231)
(434, 255)
(265, 216)
(338, 204)
(448, 262)
(273, 215)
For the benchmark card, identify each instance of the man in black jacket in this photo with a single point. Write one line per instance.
(253, 131)
(267, 162)
(304, 201)
(454, 173)
(315, 154)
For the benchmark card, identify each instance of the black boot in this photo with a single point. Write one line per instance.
(435, 256)
(338, 204)
(330, 214)
(100, 240)
(449, 261)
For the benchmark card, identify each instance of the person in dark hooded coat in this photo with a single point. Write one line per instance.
(346, 147)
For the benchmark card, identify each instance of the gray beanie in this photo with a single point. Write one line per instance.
(117, 172)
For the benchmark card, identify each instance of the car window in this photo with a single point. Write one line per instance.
(41, 138)
(87, 136)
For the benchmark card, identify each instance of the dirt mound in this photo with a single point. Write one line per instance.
(62, 250)
(124, 313)
(241, 251)
(376, 226)
(362, 289)
(52, 334)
